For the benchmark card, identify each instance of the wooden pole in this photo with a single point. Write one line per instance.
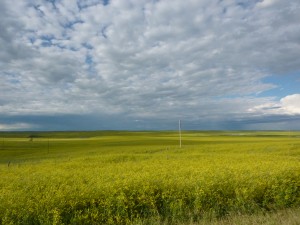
(48, 145)
(179, 134)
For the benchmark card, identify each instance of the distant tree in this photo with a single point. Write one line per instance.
(31, 136)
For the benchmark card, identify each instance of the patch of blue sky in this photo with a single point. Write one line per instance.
(14, 81)
(47, 38)
(105, 2)
(38, 10)
(70, 24)
(247, 3)
(46, 44)
(87, 46)
(103, 31)
(52, 2)
(232, 96)
(89, 61)
(287, 84)
(12, 78)
(32, 40)
(64, 47)
(82, 4)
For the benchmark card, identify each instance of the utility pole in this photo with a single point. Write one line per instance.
(48, 146)
(179, 134)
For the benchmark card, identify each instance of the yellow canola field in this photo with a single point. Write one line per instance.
(129, 178)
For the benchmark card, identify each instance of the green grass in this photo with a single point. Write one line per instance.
(145, 178)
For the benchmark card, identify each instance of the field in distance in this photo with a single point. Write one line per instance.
(111, 177)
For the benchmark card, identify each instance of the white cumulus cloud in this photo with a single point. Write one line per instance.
(291, 104)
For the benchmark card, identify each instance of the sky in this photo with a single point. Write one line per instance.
(145, 64)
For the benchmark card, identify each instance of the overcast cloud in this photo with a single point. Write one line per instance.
(140, 64)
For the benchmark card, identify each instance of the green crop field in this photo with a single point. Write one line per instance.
(145, 178)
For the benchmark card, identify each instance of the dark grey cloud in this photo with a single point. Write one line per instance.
(201, 61)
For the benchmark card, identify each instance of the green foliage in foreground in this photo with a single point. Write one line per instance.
(135, 177)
